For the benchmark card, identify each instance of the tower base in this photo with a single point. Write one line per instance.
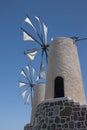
(60, 114)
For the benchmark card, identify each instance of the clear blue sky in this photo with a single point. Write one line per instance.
(63, 17)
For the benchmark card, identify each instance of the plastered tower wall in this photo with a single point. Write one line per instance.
(63, 61)
(39, 95)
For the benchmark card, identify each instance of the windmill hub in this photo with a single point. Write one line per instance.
(31, 84)
(44, 46)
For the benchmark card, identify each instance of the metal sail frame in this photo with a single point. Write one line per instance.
(78, 39)
(42, 42)
(29, 84)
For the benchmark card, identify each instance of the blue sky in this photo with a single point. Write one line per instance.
(63, 18)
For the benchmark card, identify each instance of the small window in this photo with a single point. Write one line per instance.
(59, 87)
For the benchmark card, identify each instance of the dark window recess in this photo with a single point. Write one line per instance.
(59, 87)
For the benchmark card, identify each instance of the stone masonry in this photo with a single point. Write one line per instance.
(60, 114)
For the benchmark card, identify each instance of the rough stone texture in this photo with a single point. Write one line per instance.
(60, 114)
(63, 61)
(28, 127)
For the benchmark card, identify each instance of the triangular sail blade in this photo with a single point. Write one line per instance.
(31, 57)
(42, 72)
(37, 18)
(24, 93)
(45, 32)
(28, 99)
(23, 73)
(37, 79)
(26, 37)
(27, 20)
(22, 84)
(33, 71)
(40, 25)
(31, 54)
(28, 69)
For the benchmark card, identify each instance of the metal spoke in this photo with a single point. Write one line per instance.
(81, 39)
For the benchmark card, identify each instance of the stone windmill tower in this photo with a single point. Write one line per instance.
(63, 75)
(61, 109)
(58, 104)
(64, 93)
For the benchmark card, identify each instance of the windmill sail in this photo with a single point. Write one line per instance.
(22, 84)
(27, 20)
(30, 82)
(26, 37)
(31, 54)
(40, 25)
(28, 99)
(28, 69)
(45, 32)
(42, 72)
(23, 93)
(23, 73)
(37, 79)
(33, 72)
(37, 18)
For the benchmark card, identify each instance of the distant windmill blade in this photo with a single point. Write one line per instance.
(40, 25)
(42, 72)
(28, 86)
(30, 36)
(45, 32)
(33, 72)
(23, 73)
(31, 53)
(37, 79)
(28, 69)
(24, 93)
(22, 84)
(28, 20)
(38, 19)
(28, 99)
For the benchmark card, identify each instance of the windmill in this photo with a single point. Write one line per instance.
(30, 80)
(41, 41)
(76, 39)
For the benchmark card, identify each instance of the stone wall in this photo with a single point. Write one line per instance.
(60, 114)
(28, 127)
